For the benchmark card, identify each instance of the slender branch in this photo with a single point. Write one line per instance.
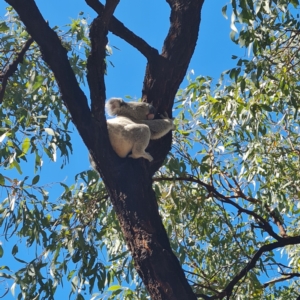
(263, 223)
(12, 68)
(251, 264)
(5, 293)
(281, 266)
(285, 276)
(277, 221)
(118, 29)
(203, 286)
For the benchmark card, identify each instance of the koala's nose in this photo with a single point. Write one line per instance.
(152, 110)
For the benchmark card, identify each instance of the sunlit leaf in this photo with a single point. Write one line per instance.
(25, 145)
(114, 287)
(50, 131)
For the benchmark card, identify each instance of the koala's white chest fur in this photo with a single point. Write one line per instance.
(123, 134)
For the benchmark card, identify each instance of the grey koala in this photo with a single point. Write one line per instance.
(134, 126)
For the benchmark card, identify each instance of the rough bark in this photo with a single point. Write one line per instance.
(128, 181)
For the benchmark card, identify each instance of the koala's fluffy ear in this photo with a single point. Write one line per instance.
(113, 105)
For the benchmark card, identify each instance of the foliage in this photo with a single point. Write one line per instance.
(233, 170)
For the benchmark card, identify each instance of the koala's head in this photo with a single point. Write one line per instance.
(134, 110)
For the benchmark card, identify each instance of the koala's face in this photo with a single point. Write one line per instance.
(133, 110)
(138, 110)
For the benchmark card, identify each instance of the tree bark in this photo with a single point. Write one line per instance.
(128, 181)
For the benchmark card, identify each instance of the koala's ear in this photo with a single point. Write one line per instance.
(113, 105)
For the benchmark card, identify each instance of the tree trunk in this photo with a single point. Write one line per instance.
(135, 204)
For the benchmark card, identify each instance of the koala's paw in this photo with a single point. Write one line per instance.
(145, 155)
(165, 116)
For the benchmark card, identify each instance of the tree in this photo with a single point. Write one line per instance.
(227, 192)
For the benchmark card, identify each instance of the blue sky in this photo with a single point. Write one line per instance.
(149, 20)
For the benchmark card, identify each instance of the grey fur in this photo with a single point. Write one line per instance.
(134, 126)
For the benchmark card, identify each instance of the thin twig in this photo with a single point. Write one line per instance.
(285, 276)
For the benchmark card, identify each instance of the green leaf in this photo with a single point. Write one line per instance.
(4, 275)
(79, 297)
(20, 260)
(224, 10)
(266, 107)
(3, 27)
(70, 275)
(25, 145)
(37, 82)
(243, 85)
(13, 287)
(295, 3)
(17, 166)
(75, 283)
(2, 180)
(1, 251)
(114, 288)
(15, 250)
(35, 179)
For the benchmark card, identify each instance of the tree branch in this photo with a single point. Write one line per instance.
(165, 73)
(276, 218)
(12, 68)
(227, 292)
(265, 248)
(286, 276)
(96, 69)
(281, 242)
(96, 64)
(118, 29)
(263, 223)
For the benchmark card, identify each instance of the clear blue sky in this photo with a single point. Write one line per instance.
(150, 20)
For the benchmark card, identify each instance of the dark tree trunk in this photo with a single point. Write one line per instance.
(135, 204)
(128, 181)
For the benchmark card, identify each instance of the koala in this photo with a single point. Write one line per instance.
(134, 126)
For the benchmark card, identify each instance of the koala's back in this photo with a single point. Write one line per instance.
(123, 134)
